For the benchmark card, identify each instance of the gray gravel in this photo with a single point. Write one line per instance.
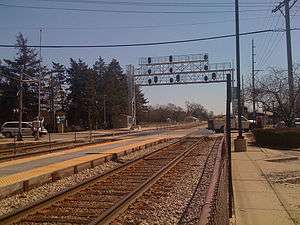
(9, 204)
(166, 200)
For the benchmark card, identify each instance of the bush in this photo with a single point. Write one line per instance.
(278, 138)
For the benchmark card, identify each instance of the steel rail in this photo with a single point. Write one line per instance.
(113, 212)
(217, 141)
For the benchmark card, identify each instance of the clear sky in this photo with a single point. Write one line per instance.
(209, 18)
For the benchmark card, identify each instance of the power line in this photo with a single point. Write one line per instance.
(268, 45)
(162, 4)
(149, 43)
(126, 11)
(132, 27)
(265, 25)
(268, 41)
(270, 51)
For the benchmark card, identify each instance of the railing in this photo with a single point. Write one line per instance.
(216, 208)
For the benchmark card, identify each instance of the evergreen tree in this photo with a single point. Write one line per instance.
(54, 94)
(115, 88)
(58, 84)
(141, 101)
(100, 68)
(82, 96)
(25, 62)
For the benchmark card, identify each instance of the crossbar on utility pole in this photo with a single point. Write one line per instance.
(286, 14)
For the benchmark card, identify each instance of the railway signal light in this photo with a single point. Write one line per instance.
(149, 60)
(155, 79)
(205, 57)
(171, 70)
(177, 77)
(205, 67)
(149, 81)
(205, 78)
(171, 80)
(214, 76)
(170, 58)
(149, 71)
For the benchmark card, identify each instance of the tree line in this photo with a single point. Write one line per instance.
(78, 95)
(88, 97)
(173, 113)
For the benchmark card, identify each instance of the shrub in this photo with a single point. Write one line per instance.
(278, 138)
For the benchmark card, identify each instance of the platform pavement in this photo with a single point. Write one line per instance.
(256, 200)
(16, 171)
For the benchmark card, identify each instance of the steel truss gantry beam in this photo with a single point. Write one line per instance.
(180, 69)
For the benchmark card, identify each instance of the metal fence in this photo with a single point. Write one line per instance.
(216, 210)
(10, 147)
(54, 141)
(220, 206)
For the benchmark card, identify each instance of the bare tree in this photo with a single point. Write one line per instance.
(271, 93)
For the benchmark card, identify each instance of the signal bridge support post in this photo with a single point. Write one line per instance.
(228, 144)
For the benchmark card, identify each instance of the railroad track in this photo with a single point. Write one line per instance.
(101, 199)
(171, 200)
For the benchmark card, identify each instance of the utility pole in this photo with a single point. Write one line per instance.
(132, 94)
(104, 111)
(52, 110)
(39, 89)
(240, 142)
(286, 14)
(243, 95)
(238, 69)
(19, 136)
(253, 83)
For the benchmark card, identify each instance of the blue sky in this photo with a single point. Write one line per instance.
(76, 27)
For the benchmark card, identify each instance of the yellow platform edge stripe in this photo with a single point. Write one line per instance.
(27, 175)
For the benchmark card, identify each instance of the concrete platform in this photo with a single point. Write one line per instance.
(256, 199)
(22, 174)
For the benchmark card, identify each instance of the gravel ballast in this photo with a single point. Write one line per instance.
(9, 204)
(166, 201)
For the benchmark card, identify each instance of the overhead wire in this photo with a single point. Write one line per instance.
(125, 11)
(274, 38)
(268, 41)
(162, 4)
(148, 43)
(265, 25)
(130, 27)
(268, 23)
(273, 46)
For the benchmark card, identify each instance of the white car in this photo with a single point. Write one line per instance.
(11, 129)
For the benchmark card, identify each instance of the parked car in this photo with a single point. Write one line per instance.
(11, 129)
